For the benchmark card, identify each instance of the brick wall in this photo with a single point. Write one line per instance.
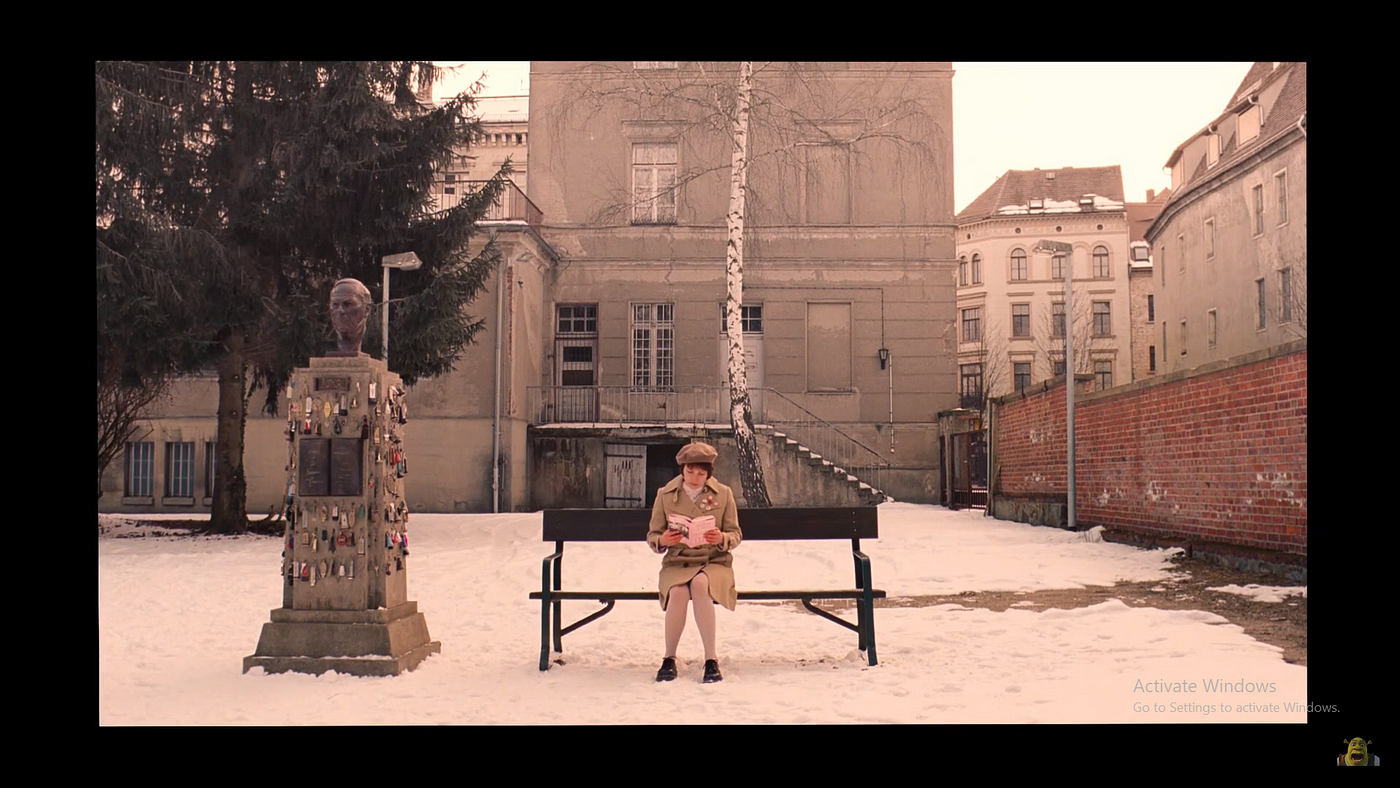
(1216, 454)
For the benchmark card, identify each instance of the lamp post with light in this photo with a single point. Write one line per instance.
(1054, 248)
(405, 261)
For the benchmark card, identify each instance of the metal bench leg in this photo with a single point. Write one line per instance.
(558, 604)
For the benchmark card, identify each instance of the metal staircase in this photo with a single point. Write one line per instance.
(824, 446)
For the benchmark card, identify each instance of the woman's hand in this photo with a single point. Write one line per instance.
(713, 537)
(669, 538)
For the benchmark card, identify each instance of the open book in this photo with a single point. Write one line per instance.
(693, 530)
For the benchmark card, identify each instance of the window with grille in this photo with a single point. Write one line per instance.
(140, 469)
(1151, 358)
(179, 470)
(654, 183)
(750, 319)
(1020, 320)
(653, 346)
(578, 319)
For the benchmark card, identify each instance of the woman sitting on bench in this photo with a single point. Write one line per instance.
(703, 573)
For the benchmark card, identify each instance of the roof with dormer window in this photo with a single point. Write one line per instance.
(1035, 192)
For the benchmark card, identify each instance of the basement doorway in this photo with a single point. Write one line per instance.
(661, 468)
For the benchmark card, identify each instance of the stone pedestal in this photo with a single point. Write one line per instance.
(345, 603)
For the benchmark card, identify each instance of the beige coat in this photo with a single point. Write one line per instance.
(680, 563)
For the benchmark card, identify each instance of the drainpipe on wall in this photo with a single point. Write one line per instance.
(496, 415)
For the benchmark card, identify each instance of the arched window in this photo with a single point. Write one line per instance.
(977, 269)
(1101, 269)
(1018, 266)
(962, 271)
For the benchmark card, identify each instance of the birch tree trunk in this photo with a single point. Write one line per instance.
(740, 412)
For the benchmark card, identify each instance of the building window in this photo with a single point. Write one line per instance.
(1018, 266)
(646, 65)
(654, 183)
(1101, 269)
(962, 271)
(140, 469)
(1181, 251)
(1162, 255)
(971, 385)
(1057, 320)
(1151, 310)
(1285, 294)
(1164, 339)
(210, 465)
(1261, 305)
(1151, 358)
(653, 346)
(977, 269)
(578, 319)
(1210, 239)
(1258, 210)
(1103, 320)
(750, 319)
(1140, 254)
(1020, 320)
(1059, 368)
(1213, 150)
(1281, 186)
(1103, 375)
(1210, 328)
(1249, 124)
(1023, 375)
(179, 470)
(972, 324)
(1057, 268)
(1182, 337)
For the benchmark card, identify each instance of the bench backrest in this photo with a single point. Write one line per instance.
(630, 525)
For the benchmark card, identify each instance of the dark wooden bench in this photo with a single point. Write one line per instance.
(630, 525)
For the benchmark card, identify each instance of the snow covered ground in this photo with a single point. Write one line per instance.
(177, 616)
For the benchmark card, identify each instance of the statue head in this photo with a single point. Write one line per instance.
(350, 306)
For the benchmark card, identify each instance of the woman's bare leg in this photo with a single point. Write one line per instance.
(676, 603)
(704, 613)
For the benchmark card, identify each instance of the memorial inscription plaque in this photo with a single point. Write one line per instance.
(314, 464)
(346, 466)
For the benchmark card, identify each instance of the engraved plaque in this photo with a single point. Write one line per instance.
(347, 466)
(332, 384)
(314, 464)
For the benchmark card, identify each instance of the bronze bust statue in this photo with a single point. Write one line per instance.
(350, 306)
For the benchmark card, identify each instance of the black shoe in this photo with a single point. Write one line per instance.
(712, 671)
(668, 670)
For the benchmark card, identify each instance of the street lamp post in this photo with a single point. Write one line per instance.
(406, 261)
(1054, 248)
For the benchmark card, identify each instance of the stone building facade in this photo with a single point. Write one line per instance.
(1230, 245)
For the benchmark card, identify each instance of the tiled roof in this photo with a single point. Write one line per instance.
(1011, 194)
(1290, 107)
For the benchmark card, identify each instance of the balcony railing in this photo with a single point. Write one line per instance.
(513, 205)
(704, 405)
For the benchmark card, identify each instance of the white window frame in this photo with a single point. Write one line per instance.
(653, 357)
(654, 201)
(750, 319)
(179, 469)
(140, 469)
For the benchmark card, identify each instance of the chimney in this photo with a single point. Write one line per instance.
(1150, 194)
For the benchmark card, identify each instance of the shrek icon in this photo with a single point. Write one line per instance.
(1358, 754)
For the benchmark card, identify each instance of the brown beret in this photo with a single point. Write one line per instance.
(697, 452)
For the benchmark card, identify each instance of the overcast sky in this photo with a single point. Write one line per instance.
(1019, 116)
